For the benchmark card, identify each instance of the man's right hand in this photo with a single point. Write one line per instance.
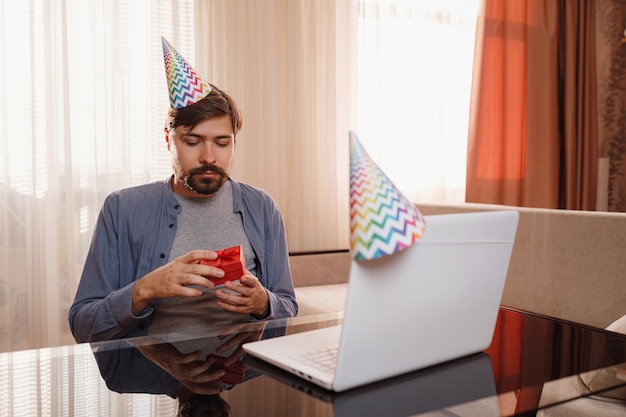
(173, 279)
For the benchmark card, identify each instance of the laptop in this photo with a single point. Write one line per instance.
(432, 302)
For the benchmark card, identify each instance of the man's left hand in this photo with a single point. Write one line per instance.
(251, 298)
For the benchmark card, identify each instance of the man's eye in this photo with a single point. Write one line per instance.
(222, 144)
(189, 143)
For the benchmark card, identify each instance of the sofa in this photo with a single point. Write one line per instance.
(565, 264)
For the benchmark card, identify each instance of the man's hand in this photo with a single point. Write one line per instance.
(173, 279)
(235, 336)
(200, 377)
(222, 363)
(251, 298)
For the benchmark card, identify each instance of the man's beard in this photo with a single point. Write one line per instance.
(203, 185)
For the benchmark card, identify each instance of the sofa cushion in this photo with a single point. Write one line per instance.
(315, 299)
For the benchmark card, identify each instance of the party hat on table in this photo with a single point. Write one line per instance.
(382, 220)
(184, 84)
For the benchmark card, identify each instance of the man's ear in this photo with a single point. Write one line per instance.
(167, 137)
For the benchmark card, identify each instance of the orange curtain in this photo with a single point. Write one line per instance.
(533, 119)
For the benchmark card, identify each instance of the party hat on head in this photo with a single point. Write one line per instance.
(382, 220)
(184, 84)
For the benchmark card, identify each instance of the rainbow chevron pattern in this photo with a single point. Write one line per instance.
(382, 220)
(184, 85)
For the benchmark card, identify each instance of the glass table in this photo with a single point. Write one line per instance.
(535, 364)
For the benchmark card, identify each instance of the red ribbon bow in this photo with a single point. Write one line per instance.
(228, 256)
(231, 261)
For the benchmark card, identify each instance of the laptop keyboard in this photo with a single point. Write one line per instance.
(324, 359)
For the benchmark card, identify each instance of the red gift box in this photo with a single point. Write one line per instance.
(229, 260)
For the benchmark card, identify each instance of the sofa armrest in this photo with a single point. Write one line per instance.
(320, 268)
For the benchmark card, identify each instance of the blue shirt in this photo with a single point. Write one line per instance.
(134, 235)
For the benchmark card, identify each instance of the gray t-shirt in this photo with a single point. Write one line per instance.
(204, 223)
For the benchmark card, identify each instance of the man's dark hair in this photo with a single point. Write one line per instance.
(216, 104)
(205, 406)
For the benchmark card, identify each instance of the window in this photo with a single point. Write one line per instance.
(415, 64)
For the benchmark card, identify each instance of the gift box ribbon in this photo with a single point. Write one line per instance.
(228, 257)
(231, 261)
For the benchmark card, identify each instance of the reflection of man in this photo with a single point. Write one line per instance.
(143, 268)
(194, 371)
(205, 366)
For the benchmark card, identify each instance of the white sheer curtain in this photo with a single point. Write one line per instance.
(415, 63)
(82, 103)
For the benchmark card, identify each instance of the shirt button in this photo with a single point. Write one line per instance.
(177, 206)
(162, 256)
(171, 225)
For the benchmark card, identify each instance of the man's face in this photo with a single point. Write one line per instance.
(202, 156)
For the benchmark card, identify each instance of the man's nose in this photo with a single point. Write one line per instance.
(207, 156)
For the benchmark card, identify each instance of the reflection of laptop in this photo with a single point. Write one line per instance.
(465, 386)
(432, 302)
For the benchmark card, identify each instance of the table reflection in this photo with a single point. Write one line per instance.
(193, 370)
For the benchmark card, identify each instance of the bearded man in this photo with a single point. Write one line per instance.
(148, 269)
